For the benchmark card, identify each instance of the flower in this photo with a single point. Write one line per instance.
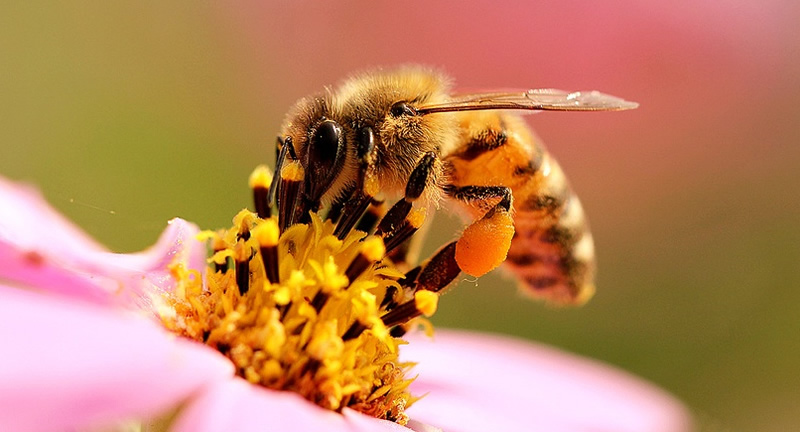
(85, 349)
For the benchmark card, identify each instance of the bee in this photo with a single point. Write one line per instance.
(403, 133)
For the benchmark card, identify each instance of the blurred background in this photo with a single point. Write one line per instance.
(127, 115)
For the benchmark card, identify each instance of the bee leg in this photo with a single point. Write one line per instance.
(484, 244)
(366, 186)
(480, 194)
(401, 221)
(428, 281)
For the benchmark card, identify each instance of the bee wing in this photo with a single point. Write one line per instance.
(534, 99)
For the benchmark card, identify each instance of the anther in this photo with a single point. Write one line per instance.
(354, 331)
(369, 220)
(242, 262)
(424, 303)
(414, 188)
(366, 186)
(218, 245)
(267, 235)
(319, 300)
(292, 175)
(372, 251)
(388, 301)
(398, 331)
(260, 182)
(440, 270)
(354, 209)
(419, 177)
(407, 228)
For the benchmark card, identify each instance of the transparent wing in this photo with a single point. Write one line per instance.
(534, 99)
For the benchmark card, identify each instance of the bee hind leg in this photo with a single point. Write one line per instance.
(484, 244)
(403, 220)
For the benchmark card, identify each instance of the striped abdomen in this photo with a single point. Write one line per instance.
(552, 253)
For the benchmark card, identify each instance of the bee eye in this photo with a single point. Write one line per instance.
(324, 157)
(402, 108)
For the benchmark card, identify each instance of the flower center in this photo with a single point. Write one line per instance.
(311, 308)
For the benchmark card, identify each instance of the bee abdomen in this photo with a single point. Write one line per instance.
(553, 255)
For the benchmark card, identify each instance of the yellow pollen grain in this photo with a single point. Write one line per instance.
(296, 281)
(205, 235)
(371, 185)
(417, 217)
(364, 306)
(244, 220)
(221, 256)
(293, 171)
(267, 233)
(426, 302)
(275, 337)
(282, 296)
(373, 248)
(261, 177)
(326, 343)
(332, 279)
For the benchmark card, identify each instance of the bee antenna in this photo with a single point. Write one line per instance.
(284, 147)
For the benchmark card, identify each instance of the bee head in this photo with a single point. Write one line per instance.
(319, 142)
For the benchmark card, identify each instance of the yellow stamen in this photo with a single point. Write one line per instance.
(426, 302)
(374, 249)
(261, 177)
(267, 233)
(275, 336)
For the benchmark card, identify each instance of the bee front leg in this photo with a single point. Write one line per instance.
(484, 244)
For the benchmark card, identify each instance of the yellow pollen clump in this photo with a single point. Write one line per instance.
(371, 185)
(267, 233)
(374, 249)
(261, 177)
(313, 331)
(484, 244)
(332, 279)
(293, 171)
(417, 217)
(426, 302)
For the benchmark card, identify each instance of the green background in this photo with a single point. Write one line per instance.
(127, 115)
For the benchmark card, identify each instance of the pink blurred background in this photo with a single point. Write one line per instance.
(128, 115)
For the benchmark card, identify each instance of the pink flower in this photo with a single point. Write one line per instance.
(81, 350)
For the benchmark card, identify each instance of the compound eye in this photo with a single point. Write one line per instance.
(325, 141)
(325, 155)
(402, 108)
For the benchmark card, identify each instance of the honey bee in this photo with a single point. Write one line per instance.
(401, 132)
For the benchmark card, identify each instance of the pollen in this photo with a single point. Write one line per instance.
(303, 310)
(308, 299)
(485, 243)
(261, 178)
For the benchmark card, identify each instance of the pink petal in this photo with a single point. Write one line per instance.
(70, 365)
(29, 222)
(480, 382)
(237, 405)
(42, 249)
